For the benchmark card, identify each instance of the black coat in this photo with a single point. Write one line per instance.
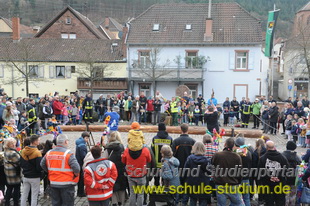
(115, 150)
(293, 160)
(182, 147)
(274, 114)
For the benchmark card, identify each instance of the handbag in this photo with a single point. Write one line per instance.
(305, 195)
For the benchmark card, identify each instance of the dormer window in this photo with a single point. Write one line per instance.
(68, 20)
(188, 27)
(156, 27)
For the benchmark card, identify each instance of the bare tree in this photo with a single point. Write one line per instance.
(92, 70)
(150, 67)
(298, 50)
(21, 58)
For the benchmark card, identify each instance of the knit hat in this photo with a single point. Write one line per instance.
(290, 145)
(239, 142)
(161, 127)
(9, 104)
(135, 125)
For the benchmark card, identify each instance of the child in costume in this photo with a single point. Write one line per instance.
(135, 137)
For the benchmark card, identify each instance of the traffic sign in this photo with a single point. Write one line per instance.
(290, 87)
(290, 81)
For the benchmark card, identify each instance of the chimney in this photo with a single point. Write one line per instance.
(106, 22)
(208, 36)
(124, 38)
(15, 28)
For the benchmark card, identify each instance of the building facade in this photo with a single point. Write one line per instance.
(205, 48)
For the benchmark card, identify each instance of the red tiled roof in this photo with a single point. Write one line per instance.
(24, 30)
(231, 25)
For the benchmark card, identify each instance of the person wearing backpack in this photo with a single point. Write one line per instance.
(293, 161)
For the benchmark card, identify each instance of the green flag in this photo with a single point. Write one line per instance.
(272, 19)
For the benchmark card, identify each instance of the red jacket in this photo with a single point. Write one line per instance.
(57, 107)
(149, 105)
(136, 161)
(99, 178)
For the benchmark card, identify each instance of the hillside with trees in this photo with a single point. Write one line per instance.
(38, 12)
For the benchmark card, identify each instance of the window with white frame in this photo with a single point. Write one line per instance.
(72, 36)
(191, 59)
(144, 59)
(241, 60)
(68, 20)
(64, 36)
(188, 27)
(146, 88)
(60, 71)
(33, 71)
(155, 27)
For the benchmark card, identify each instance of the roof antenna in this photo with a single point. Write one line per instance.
(209, 9)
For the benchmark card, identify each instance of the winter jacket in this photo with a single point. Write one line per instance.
(306, 157)
(273, 160)
(47, 112)
(226, 104)
(30, 162)
(143, 100)
(200, 101)
(294, 130)
(87, 103)
(201, 164)
(2, 108)
(214, 102)
(149, 105)
(135, 106)
(135, 140)
(57, 107)
(293, 161)
(182, 147)
(99, 178)
(235, 105)
(306, 174)
(256, 156)
(157, 105)
(115, 150)
(299, 111)
(162, 138)
(128, 105)
(256, 108)
(136, 162)
(9, 117)
(305, 102)
(12, 166)
(80, 150)
(288, 125)
(265, 115)
(212, 121)
(289, 111)
(21, 107)
(170, 171)
(112, 119)
(40, 110)
(246, 158)
(274, 114)
(226, 159)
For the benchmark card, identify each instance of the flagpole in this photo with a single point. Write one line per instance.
(272, 58)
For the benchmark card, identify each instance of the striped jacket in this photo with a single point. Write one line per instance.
(99, 178)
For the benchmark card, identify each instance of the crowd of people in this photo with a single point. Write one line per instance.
(111, 169)
(101, 173)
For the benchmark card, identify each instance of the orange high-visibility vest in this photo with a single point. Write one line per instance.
(59, 170)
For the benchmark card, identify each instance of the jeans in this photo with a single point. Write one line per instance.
(197, 116)
(135, 117)
(62, 196)
(202, 202)
(235, 198)
(231, 120)
(156, 117)
(73, 119)
(101, 117)
(301, 141)
(246, 196)
(273, 127)
(58, 117)
(34, 185)
(12, 191)
(136, 199)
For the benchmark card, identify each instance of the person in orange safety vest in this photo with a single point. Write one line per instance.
(63, 172)
(99, 178)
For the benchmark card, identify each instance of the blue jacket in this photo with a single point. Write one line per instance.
(294, 130)
(289, 111)
(80, 150)
(170, 170)
(299, 111)
(2, 107)
(214, 101)
(113, 120)
(193, 161)
(306, 157)
(226, 104)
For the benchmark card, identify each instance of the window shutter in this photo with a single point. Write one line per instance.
(24, 71)
(1, 71)
(251, 60)
(52, 72)
(68, 72)
(41, 72)
(232, 60)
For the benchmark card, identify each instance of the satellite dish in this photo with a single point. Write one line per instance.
(120, 34)
(181, 89)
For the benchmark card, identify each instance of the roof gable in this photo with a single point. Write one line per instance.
(83, 19)
(231, 25)
(305, 7)
(25, 31)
